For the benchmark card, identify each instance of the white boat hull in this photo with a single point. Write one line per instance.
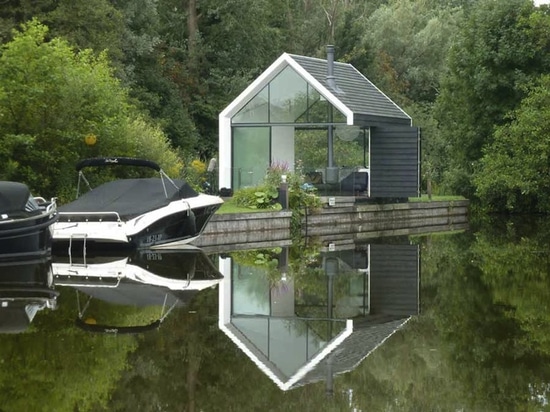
(178, 223)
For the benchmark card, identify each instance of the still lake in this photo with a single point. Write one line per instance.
(447, 321)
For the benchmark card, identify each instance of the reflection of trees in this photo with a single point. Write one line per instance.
(60, 368)
(480, 344)
(311, 149)
(515, 266)
(484, 291)
(476, 345)
(193, 366)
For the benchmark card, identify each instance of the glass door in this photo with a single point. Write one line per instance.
(251, 155)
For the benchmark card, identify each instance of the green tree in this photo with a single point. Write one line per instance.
(52, 97)
(210, 51)
(96, 25)
(152, 75)
(408, 42)
(514, 172)
(498, 49)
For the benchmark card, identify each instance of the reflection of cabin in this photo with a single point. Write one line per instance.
(347, 136)
(298, 335)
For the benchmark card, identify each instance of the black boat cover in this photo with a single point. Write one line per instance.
(129, 197)
(13, 197)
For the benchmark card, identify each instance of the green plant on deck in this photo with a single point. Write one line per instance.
(259, 197)
(266, 199)
(301, 196)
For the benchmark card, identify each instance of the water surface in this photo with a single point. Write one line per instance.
(445, 321)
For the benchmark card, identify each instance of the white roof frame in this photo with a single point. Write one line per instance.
(269, 74)
(224, 124)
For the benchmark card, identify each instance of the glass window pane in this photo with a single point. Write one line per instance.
(350, 147)
(255, 330)
(250, 292)
(311, 152)
(251, 154)
(337, 116)
(255, 111)
(318, 107)
(288, 97)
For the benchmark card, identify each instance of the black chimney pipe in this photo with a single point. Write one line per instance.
(331, 174)
(330, 67)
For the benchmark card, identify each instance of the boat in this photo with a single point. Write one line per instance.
(26, 288)
(143, 278)
(25, 223)
(145, 212)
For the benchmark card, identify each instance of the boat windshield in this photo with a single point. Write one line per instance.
(31, 205)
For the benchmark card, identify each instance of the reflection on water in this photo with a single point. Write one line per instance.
(25, 289)
(163, 279)
(302, 323)
(278, 328)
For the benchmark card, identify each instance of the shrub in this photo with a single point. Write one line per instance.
(301, 197)
(260, 197)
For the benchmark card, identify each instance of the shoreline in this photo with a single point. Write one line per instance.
(360, 221)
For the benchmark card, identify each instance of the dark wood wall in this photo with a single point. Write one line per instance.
(394, 161)
(394, 279)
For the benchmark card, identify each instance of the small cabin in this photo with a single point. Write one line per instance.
(326, 120)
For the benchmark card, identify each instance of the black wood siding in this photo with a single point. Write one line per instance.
(394, 279)
(394, 163)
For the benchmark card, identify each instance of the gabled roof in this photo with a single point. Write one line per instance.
(284, 379)
(344, 353)
(368, 335)
(356, 92)
(355, 96)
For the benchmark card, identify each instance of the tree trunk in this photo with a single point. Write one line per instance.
(192, 25)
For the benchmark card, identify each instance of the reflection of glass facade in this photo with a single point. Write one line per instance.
(344, 287)
(291, 341)
(250, 291)
(287, 343)
(288, 98)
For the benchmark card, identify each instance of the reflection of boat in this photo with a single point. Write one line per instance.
(25, 289)
(25, 222)
(144, 278)
(139, 212)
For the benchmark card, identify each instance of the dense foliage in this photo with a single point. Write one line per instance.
(51, 98)
(501, 48)
(165, 69)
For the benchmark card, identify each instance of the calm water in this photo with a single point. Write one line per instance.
(454, 321)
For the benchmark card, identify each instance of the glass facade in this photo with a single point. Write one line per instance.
(288, 98)
(251, 155)
(256, 110)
